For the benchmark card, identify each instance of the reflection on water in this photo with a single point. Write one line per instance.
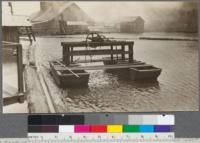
(176, 89)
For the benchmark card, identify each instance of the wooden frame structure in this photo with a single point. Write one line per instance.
(19, 66)
(69, 50)
(68, 73)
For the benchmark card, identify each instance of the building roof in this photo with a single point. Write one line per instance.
(15, 20)
(51, 12)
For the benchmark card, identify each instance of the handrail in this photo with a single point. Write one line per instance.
(7, 43)
(18, 46)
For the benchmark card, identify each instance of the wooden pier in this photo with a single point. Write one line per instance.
(120, 57)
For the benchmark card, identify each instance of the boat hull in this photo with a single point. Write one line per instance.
(144, 73)
(65, 78)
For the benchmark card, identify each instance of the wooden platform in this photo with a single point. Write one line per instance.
(68, 71)
(100, 67)
(95, 44)
(111, 48)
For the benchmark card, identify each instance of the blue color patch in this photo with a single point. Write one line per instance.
(146, 128)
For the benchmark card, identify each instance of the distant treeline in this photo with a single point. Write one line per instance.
(180, 19)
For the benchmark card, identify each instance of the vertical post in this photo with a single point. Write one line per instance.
(28, 34)
(123, 50)
(130, 48)
(66, 55)
(20, 69)
(63, 53)
(32, 33)
(111, 52)
(71, 50)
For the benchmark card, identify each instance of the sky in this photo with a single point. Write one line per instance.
(99, 11)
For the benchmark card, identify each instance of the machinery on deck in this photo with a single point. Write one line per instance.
(96, 37)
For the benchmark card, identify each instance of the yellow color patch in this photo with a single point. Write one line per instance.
(114, 128)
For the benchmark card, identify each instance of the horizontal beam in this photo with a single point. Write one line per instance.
(95, 52)
(101, 60)
(95, 44)
(101, 67)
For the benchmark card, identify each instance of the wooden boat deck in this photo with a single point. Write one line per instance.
(100, 67)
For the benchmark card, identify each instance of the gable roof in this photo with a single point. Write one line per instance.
(51, 12)
(15, 20)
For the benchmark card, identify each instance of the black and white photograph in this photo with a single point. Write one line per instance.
(99, 56)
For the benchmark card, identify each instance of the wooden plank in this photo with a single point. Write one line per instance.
(111, 50)
(95, 52)
(7, 43)
(130, 47)
(71, 57)
(99, 60)
(94, 44)
(20, 70)
(46, 92)
(102, 67)
(123, 49)
(66, 57)
(76, 75)
(35, 94)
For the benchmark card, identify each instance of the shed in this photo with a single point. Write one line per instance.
(60, 18)
(11, 25)
(132, 25)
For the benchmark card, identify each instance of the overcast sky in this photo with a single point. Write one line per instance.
(99, 11)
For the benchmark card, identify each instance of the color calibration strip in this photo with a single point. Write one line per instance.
(90, 119)
(97, 129)
(101, 129)
(78, 124)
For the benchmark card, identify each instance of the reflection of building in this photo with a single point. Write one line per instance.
(132, 25)
(60, 18)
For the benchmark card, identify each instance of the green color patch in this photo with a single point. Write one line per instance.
(130, 128)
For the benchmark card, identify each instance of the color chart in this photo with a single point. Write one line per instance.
(77, 128)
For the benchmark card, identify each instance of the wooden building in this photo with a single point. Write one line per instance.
(60, 18)
(132, 25)
(11, 25)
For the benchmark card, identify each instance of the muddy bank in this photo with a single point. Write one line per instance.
(40, 97)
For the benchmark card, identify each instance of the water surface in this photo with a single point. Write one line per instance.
(176, 89)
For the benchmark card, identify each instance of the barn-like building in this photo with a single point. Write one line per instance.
(132, 25)
(60, 17)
